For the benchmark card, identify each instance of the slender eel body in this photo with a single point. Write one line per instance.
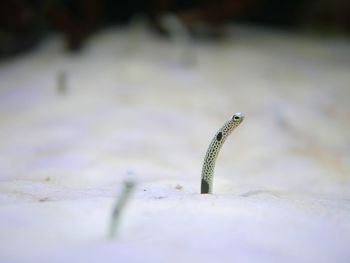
(213, 151)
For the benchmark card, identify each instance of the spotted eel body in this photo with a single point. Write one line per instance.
(213, 151)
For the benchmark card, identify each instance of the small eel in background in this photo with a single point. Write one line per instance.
(214, 149)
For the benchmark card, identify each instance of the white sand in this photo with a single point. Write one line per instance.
(282, 180)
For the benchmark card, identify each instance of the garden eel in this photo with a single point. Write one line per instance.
(213, 151)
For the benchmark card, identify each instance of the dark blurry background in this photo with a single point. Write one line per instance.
(24, 23)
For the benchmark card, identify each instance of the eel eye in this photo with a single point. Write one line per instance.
(236, 118)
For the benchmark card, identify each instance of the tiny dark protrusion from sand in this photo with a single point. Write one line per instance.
(178, 187)
(62, 82)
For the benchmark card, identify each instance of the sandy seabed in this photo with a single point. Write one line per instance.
(148, 112)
